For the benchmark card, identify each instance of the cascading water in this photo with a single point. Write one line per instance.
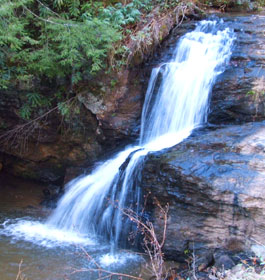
(176, 102)
(182, 99)
(169, 115)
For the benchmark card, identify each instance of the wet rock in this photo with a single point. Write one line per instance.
(110, 107)
(238, 95)
(109, 115)
(214, 184)
(51, 195)
(223, 261)
(91, 102)
(201, 275)
(204, 259)
(31, 207)
(116, 103)
(72, 173)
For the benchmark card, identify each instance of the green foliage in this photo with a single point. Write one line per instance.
(251, 92)
(70, 39)
(69, 109)
(63, 38)
(113, 83)
(25, 112)
(33, 101)
(75, 49)
(64, 108)
(120, 15)
(47, 40)
(37, 100)
(35, 40)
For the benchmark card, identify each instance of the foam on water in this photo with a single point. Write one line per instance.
(118, 259)
(42, 234)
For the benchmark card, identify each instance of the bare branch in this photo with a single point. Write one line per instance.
(48, 8)
(19, 135)
(20, 274)
(100, 271)
(151, 243)
(48, 20)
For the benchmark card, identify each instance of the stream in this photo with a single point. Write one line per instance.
(54, 256)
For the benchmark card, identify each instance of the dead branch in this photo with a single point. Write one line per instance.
(194, 264)
(152, 245)
(18, 137)
(20, 274)
(100, 271)
(145, 36)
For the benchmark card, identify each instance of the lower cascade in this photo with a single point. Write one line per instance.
(176, 102)
(169, 115)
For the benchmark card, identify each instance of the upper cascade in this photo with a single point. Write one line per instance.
(181, 100)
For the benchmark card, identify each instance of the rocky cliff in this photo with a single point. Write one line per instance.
(214, 180)
(238, 95)
(214, 184)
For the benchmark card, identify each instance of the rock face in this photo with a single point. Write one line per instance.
(239, 93)
(44, 149)
(213, 181)
(116, 102)
(214, 184)
(109, 113)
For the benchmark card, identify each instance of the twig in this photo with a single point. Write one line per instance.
(20, 275)
(109, 273)
(20, 133)
(48, 20)
(152, 246)
(48, 8)
(194, 264)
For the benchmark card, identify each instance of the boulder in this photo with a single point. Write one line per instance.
(239, 93)
(214, 183)
(115, 101)
(223, 261)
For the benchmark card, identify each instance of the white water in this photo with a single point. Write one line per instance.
(182, 99)
(176, 103)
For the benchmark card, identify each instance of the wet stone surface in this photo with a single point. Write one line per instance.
(214, 184)
(239, 93)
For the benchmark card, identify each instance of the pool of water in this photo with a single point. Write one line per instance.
(49, 254)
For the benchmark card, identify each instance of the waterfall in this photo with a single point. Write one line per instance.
(176, 102)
